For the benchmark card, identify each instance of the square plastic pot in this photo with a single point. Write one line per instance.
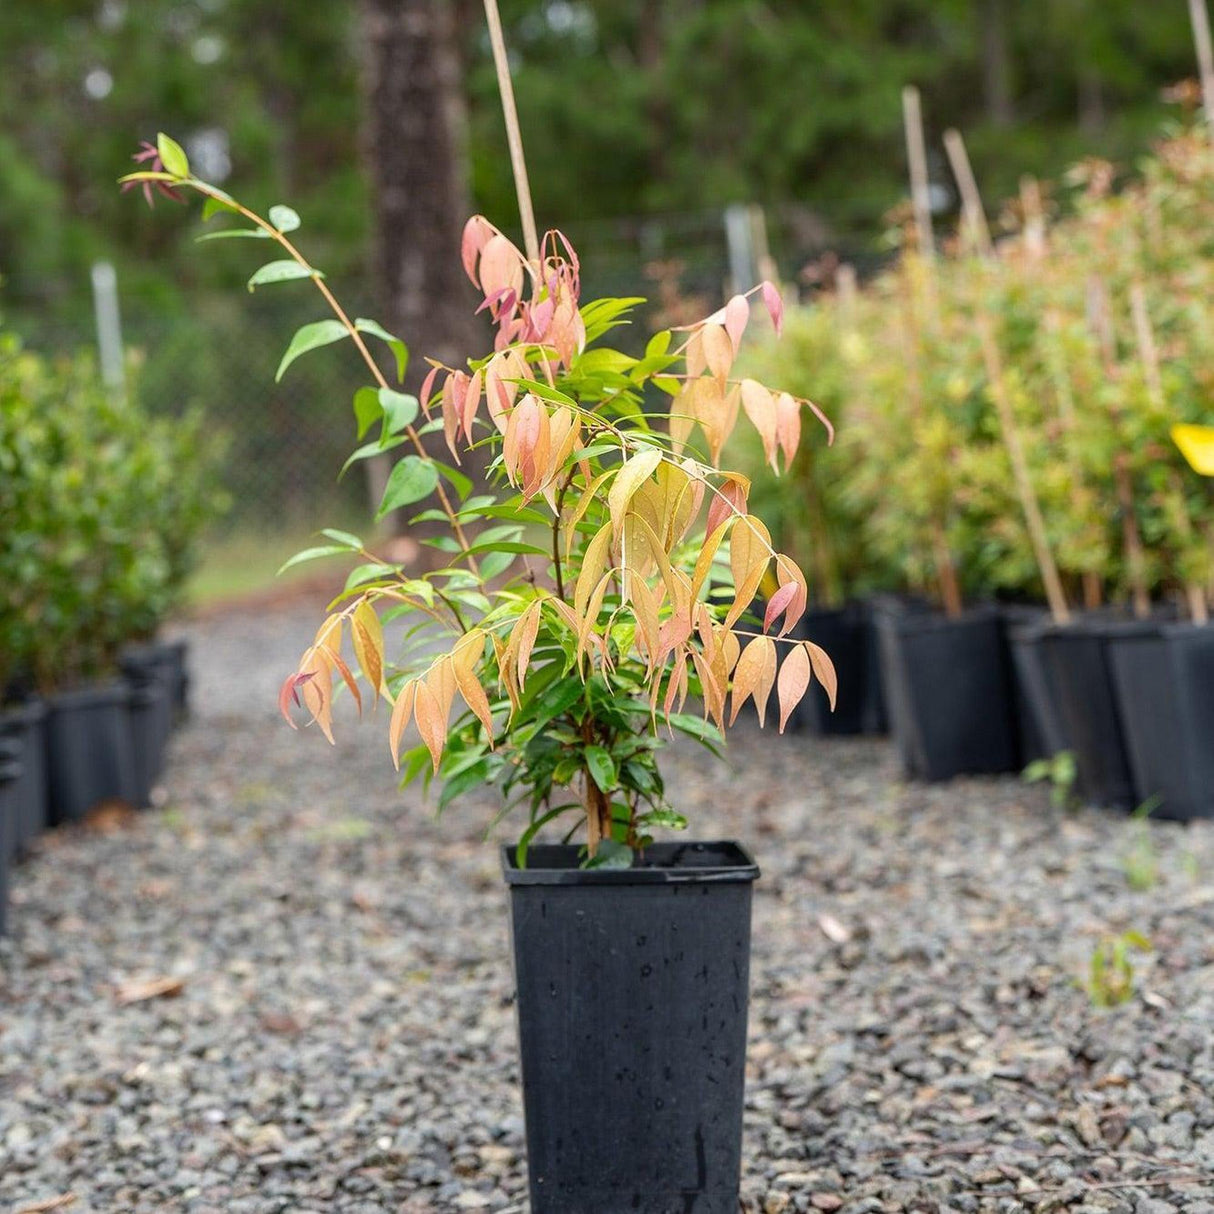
(948, 692)
(1077, 665)
(164, 663)
(632, 1003)
(26, 722)
(10, 776)
(848, 636)
(1164, 682)
(88, 750)
(1040, 729)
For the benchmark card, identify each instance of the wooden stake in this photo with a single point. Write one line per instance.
(845, 291)
(1024, 485)
(514, 135)
(916, 155)
(1148, 352)
(1200, 18)
(971, 200)
(1034, 217)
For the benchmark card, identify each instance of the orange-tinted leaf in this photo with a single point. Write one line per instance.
(712, 542)
(431, 722)
(501, 267)
(336, 661)
(527, 629)
(793, 681)
(632, 474)
(754, 676)
(788, 427)
(595, 560)
(777, 603)
(467, 653)
(402, 711)
(762, 409)
(737, 313)
(718, 351)
(824, 668)
(368, 637)
(728, 501)
(775, 307)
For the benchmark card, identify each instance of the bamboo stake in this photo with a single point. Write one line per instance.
(1034, 217)
(1101, 319)
(1024, 486)
(916, 154)
(1200, 19)
(514, 135)
(1148, 352)
(971, 200)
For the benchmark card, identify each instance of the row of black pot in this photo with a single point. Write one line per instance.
(62, 755)
(988, 692)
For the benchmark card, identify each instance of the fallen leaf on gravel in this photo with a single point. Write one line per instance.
(153, 988)
(110, 817)
(833, 930)
(51, 1203)
(281, 1022)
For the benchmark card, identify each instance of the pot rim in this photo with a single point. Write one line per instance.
(734, 864)
(111, 693)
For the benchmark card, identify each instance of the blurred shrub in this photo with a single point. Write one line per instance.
(102, 509)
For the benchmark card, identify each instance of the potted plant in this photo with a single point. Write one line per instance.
(597, 582)
(820, 519)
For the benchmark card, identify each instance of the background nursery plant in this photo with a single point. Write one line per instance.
(604, 579)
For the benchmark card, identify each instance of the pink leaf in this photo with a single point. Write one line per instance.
(737, 313)
(778, 603)
(476, 233)
(427, 389)
(775, 307)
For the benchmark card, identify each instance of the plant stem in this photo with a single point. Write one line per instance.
(514, 135)
(556, 533)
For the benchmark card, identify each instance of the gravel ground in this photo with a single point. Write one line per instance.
(343, 1036)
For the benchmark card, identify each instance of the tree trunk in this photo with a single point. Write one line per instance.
(996, 66)
(414, 151)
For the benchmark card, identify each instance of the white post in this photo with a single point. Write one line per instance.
(109, 326)
(1200, 18)
(739, 237)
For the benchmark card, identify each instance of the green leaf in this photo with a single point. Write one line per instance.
(520, 852)
(312, 554)
(410, 480)
(234, 234)
(283, 270)
(366, 409)
(310, 337)
(459, 482)
(360, 575)
(284, 218)
(343, 537)
(172, 155)
(399, 410)
(601, 766)
(216, 206)
(659, 343)
(495, 563)
(398, 347)
(367, 450)
(611, 854)
(507, 546)
(663, 817)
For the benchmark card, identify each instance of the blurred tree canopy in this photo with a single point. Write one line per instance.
(629, 107)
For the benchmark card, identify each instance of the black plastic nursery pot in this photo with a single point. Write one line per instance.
(1041, 732)
(1164, 681)
(88, 752)
(848, 636)
(10, 777)
(163, 662)
(1076, 658)
(26, 723)
(632, 1001)
(153, 683)
(948, 692)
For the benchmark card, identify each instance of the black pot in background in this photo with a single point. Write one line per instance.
(26, 722)
(842, 632)
(948, 692)
(1164, 681)
(632, 997)
(88, 750)
(152, 677)
(10, 776)
(1076, 660)
(1041, 732)
(163, 662)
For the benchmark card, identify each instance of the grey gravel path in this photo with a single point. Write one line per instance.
(343, 1037)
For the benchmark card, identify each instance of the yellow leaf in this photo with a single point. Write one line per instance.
(592, 615)
(713, 692)
(595, 560)
(317, 692)
(793, 681)
(335, 659)
(788, 426)
(527, 628)
(645, 609)
(824, 668)
(588, 495)
(1196, 444)
(749, 554)
(468, 652)
(402, 711)
(368, 637)
(631, 475)
(707, 553)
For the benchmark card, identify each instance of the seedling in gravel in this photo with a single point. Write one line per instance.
(1061, 772)
(1110, 972)
(604, 575)
(1140, 864)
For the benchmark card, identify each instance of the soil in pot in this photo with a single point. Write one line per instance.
(846, 634)
(1076, 658)
(632, 1001)
(26, 722)
(89, 759)
(948, 692)
(1164, 680)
